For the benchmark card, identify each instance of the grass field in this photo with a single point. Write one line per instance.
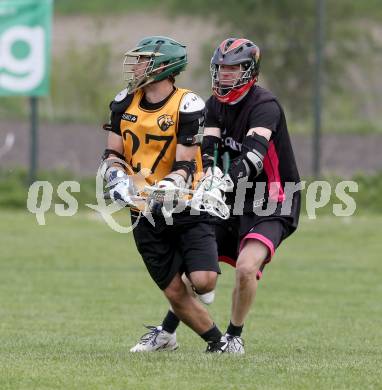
(74, 296)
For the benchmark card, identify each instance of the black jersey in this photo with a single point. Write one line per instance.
(275, 189)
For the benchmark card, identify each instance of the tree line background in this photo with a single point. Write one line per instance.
(84, 79)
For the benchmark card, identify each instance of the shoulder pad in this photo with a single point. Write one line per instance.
(121, 101)
(121, 95)
(191, 103)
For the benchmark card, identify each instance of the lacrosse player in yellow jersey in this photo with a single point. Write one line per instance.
(156, 128)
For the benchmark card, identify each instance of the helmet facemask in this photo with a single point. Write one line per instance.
(225, 80)
(137, 70)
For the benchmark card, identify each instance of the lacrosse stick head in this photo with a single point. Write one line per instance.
(213, 179)
(209, 194)
(212, 202)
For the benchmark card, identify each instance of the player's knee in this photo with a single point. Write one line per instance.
(246, 272)
(203, 282)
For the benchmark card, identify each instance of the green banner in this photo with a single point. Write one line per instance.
(25, 46)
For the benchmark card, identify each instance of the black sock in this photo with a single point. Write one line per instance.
(170, 322)
(212, 335)
(234, 330)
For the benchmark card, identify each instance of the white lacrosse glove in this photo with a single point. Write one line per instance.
(159, 196)
(121, 186)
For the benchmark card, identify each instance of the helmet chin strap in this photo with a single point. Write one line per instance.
(236, 94)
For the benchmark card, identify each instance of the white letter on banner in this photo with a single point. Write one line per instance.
(29, 71)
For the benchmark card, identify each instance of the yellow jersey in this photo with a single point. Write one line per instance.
(150, 137)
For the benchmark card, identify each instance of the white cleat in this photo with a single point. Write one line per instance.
(156, 340)
(235, 344)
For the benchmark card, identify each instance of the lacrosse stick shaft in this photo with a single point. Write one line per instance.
(216, 155)
(226, 163)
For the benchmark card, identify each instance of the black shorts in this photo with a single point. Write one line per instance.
(183, 247)
(232, 234)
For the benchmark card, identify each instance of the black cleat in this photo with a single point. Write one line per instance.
(217, 346)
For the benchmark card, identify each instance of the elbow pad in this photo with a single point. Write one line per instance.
(253, 151)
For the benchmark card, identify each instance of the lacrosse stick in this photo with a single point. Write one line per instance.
(210, 201)
(207, 197)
